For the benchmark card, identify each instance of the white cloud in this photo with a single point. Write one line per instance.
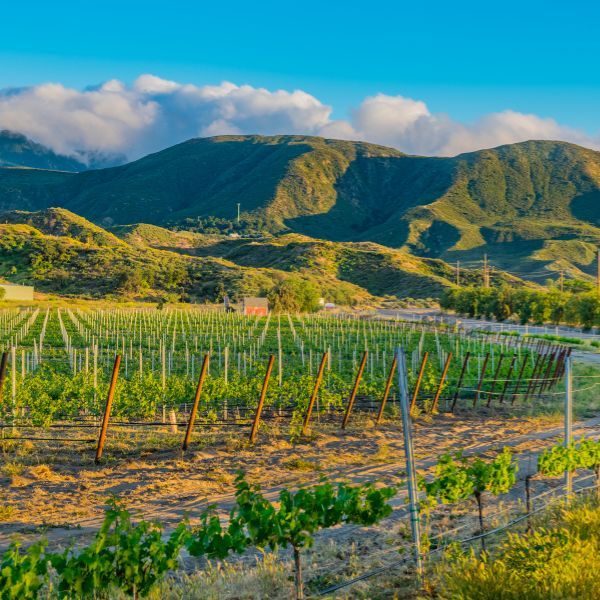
(154, 113)
(408, 125)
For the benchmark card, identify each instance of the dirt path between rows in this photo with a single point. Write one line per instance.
(65, 502)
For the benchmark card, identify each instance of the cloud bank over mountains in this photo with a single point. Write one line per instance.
(153, 113)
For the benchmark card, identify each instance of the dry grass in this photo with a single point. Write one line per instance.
(266, 578)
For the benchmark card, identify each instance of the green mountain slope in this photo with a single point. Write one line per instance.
(376, 269)
(532, 207)
(31, 189)
(274, 179)
(16, 150)
(103, 266)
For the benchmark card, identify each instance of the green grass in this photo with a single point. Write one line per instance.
(556, 338)
(559, 559)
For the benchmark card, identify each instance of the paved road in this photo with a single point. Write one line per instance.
(433, 315)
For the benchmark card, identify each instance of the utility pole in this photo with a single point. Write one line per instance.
(238, 216)
(458, 273)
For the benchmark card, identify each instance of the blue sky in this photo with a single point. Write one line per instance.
(463, 59)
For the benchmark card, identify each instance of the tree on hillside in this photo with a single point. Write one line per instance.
(131, 280)
(294, 295)
(588, 309)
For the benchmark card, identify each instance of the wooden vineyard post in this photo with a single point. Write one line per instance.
(109, 401)
(495, 379)
(361, 368)
(481, 378)
(564, 361)
(13, 380)
(550, 376)
(534, 374)
(413, 400)
(545, 374)
(386, 392)
(541, 378)
(518, 382)
(194, 411)
(3, 363)
(528, 506)
(314, 394)
(440, 387)
(507, 382)
(460, 380)
(559, 363)
(261, 400)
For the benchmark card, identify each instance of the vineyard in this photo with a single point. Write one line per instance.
(232, 371)
(171, 404)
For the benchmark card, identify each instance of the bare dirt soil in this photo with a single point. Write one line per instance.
(55, 487)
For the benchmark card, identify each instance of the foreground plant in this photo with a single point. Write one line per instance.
(456, 478)
(561, 459)
(23, 574)
(560, 560)
(132, 558)
(255, 521)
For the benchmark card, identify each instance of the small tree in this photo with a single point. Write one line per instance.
(255, 521)
(294, 295)
(457, 478)
(496, 477)
(589, 458)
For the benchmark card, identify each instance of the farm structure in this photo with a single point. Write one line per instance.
(255, 306)
(168, 403)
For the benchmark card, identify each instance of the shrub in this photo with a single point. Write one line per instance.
(554, 562)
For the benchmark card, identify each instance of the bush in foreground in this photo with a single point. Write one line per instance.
(561, 559)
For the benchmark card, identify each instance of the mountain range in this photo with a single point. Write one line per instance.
(16, 150)
(336, 210)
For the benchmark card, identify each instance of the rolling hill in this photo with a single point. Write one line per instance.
(532, 207)
(60, 252)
